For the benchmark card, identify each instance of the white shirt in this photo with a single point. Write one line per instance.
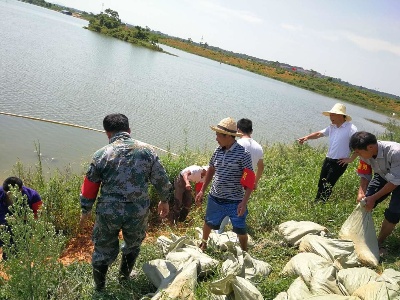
(255, 149)
(195, 175)
(339, 139)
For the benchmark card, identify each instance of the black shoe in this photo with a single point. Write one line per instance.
(99, 277)
(126, 266)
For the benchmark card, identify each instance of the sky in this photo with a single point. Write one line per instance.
(357, 41)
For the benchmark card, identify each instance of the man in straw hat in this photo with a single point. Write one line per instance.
(337, 158)
(234, 179)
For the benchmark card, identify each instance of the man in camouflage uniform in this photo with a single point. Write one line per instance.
(123, 169)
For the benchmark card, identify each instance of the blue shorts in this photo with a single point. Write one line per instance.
(217, 211)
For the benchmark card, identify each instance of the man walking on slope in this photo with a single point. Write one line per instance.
(245, 127)
(232, 184)
(123, 169)
(337, 158)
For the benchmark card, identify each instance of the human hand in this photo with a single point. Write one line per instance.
(369, 203)
(344, 161)
(241, 209)
(302, 140)
(199, 198)
(163, 209)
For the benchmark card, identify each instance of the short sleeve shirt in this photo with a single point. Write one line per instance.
(339, 138)
(195, 173)
(229, 166)
(255, 149)
(387, 161)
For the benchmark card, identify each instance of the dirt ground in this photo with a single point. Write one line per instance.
(80, 248)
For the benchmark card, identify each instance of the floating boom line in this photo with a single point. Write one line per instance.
(73, 125)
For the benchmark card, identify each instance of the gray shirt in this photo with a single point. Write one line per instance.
(387, 161)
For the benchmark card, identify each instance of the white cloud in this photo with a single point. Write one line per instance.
(374, 45)
(227, 13)
(291, 27)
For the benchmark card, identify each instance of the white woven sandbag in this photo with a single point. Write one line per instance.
(351, 279)
(324, 281)
(293, 231)
(330, 249)
(359, 228)
(304, 265)
(181, 287)
(372, 291)
(245, 290)
(282, 296)
(332, 297)
(391, 278)
(298, 290)
(181, 257)
(159, 269)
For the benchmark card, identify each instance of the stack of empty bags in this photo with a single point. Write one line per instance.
(176, 276)
(337, 268)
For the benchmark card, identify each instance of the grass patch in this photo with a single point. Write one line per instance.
(285, 192)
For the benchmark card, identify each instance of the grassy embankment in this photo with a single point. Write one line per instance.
(285, 192)
(324, 86)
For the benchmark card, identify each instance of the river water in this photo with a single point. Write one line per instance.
(52, 68)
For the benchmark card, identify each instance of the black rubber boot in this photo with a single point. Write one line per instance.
(99, 276)
(127, 263)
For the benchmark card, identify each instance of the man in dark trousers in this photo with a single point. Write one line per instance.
(122, 170)
(383, 158)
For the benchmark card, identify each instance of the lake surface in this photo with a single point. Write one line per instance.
(52, 68)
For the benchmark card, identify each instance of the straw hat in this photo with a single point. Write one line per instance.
(227, 126)
(338, 109)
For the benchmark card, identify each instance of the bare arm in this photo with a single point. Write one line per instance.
(260, 170)
(242, 205)
(387, 188)
(362, 189)
(348, 160)
(312, 136)
(187, 182)
(209, 175)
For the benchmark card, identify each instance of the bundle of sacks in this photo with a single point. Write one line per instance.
(330, 268)
(175, 277)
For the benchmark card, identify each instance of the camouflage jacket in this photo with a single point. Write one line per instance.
(124, 168)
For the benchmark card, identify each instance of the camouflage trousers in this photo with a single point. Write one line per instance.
(112, 217)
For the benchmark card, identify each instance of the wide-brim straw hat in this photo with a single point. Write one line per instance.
(227, 126)
(338, 109)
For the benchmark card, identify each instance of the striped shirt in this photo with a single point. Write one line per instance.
(229, 165)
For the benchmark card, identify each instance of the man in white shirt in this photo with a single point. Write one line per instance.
(337, 158)
(245, 127)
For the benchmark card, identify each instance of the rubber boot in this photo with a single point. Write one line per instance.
(127, 263)
(99, 277)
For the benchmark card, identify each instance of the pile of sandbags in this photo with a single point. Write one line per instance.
(328, 268)
(175, 277)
